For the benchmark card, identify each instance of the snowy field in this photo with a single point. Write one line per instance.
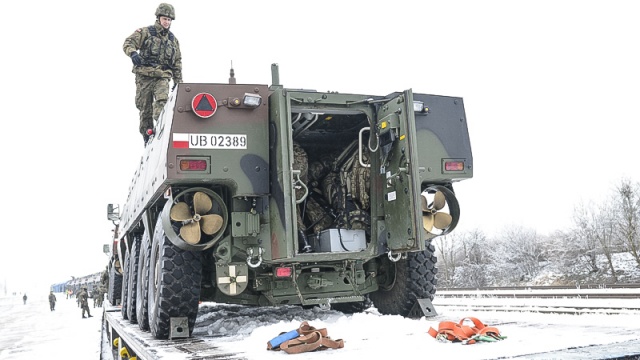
(32, 331)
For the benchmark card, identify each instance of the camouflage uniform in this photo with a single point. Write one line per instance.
(84, 302)
(100, 296)
(161, 61)
(104, 279)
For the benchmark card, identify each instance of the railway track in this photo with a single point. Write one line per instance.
(618, 299)
(552, 287)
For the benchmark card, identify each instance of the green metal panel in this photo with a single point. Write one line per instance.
(282, 205)
(396, 124)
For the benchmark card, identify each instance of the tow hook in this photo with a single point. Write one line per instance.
(250, 257)
(394, 258)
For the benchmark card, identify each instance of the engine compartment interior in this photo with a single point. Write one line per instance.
(335, 215)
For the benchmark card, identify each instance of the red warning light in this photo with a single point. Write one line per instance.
(193, 165)
(283, 272)
(454, 165)
(204, 105)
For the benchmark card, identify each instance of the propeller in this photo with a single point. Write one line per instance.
(431, 214)
(195, 219)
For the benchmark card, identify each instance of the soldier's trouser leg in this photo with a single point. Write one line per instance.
(144, 103)
(160, 94)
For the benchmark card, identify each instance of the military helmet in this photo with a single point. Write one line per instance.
(165, 9)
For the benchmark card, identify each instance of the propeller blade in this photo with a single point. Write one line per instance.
(442, 220)
(180, 212)
(427, 222)
(201, 203)
(439, 200)
(190, 233)
(425, 204)
(211, 223)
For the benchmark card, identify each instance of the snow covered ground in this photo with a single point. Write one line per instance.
(32, 331)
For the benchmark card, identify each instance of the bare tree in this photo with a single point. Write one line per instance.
(473, 259)
(604, 223)
(560, 247)
(517, 254)
(584, 237)
(628, 221)
(596, 226)
(446, 247)
(523, 248)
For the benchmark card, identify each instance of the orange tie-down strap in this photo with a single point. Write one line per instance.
(459, 332)
(309, 339)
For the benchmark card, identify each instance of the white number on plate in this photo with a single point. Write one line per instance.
(217, 141)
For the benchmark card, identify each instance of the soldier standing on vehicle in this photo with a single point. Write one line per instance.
(83, 296)
(156, 57)
(52, 301)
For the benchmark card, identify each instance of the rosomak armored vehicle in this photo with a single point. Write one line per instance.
(262, 195)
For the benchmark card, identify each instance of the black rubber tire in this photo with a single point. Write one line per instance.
(125, 287)
(142, 285)
(115, 285)
(176, 291)
(132, 288)
(411, 279)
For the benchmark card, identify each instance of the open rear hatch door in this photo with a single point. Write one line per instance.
(396, 127)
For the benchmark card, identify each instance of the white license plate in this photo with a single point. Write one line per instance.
(210, 141)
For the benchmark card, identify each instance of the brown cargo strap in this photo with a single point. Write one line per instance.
(458, 332)
(310, 339)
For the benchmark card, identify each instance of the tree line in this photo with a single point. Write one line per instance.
(517, 255)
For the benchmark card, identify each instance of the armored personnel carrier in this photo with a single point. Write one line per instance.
(262, 195)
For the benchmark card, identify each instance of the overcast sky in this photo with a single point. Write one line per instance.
(549, 89)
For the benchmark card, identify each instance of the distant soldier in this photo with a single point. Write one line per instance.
(83, 296)
(24, 299)
(99, 297)
(158, 62)
(104, 278)
(52, 301)
(104, 283)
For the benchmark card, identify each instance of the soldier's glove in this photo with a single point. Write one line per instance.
(137, 60)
